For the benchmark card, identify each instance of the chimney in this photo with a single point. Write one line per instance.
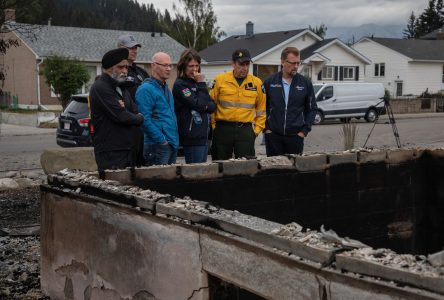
(249, 29)
(439, 34)
(9, 15)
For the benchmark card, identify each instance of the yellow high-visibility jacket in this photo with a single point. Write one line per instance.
(245, 103)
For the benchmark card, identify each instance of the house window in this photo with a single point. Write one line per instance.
(349, 73)
(306, 72)
(328, 73)
(380, 70)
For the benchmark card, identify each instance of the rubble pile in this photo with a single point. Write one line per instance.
(417, 264)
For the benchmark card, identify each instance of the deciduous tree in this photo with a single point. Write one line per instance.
(65, 75)
(194, 24)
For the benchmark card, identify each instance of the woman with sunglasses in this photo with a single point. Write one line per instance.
(193, 106)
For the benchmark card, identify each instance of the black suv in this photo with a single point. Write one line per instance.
(74, 124)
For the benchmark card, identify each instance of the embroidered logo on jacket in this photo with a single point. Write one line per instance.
(250, 87)
(186, 92)
(299, 88)
(275, 85)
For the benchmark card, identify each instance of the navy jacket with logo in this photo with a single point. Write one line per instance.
(191, 95)
(300, 111)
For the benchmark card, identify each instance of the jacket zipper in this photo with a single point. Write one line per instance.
(285, 115)
(191, 124)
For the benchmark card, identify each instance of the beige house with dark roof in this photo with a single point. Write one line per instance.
(23, 64)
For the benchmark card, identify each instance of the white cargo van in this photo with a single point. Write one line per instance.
(349, 100)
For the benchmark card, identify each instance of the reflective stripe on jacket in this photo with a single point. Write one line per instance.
(244, 103)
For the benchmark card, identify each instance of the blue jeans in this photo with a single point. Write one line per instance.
(195, 154)
(159, 154)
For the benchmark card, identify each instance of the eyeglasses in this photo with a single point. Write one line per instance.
(293, 63)
(166, 66)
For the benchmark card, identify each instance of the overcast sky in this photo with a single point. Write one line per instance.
(274, 15)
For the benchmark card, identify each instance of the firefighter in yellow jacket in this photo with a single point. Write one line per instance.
(240, 113)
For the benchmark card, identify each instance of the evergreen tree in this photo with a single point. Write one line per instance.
(410, 32)
(430, 19)
(321, 30)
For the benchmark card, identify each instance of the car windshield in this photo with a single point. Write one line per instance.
(316, 88)
(77, 106)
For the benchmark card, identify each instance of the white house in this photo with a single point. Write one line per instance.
(322, 60)
(405, 67)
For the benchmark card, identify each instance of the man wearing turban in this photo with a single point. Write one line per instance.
(114, 115)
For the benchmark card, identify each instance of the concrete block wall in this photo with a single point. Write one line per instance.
(105, 240)
(415, 105)
(382, 193)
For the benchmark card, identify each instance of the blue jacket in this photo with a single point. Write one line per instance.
(298, 115)
(155, 101)
(190, 96)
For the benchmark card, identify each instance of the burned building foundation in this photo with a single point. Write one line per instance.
(168, 232)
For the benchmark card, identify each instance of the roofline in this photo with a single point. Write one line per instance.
(371, 40)
(317, 54)
(26, 44)
(317, 37)
(428, 60)
(347, 48)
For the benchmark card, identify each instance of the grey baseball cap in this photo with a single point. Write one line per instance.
(128, 41)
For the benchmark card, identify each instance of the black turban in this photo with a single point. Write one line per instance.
(113, 57)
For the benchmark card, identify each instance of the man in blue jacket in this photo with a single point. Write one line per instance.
(155, 101)
(291, 107)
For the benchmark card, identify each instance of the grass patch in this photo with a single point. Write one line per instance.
(48, 125)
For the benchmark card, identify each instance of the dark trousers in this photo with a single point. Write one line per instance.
(159, 154)
(280, 144)
(114, 160)
(195, 154)
(229, 138)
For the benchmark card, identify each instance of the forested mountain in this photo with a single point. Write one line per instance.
(105, 14)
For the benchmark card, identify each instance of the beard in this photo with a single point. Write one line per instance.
(119, 77)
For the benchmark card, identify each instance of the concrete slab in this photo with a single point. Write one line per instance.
(311, 163)
(157, 172)
(400, 156)
(275, 162)
(81, 158)
(122, 176)
(342, 158)
(199, 171)
(239, 167)
(372, 157)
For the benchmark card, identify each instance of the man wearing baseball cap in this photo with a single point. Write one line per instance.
(135, 73)
(240, 112)
(114, 115)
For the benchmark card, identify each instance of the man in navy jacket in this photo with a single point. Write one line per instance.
(291, 107)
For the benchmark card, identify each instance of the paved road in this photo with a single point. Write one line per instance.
(21, 147)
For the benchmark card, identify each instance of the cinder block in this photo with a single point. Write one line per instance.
(399, 156)
(310, 163)
(372, 157)
(438, 153)
(239, 167)
(342, 158)
(199, 171)
(275, 162)
(367, 267)
(122, 176)
(157, 172)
